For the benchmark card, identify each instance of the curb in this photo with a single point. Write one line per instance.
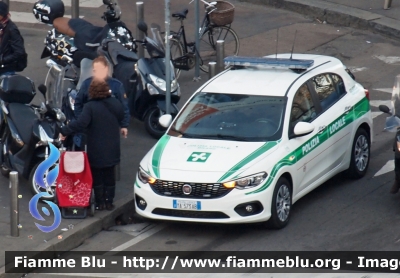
(82, 231)
(338, 14)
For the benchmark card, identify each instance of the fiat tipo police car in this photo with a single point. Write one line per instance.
(255, 139)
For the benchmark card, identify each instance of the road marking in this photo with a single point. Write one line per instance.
(386, 90)
(376, 114)
(355, 69)
(139, 238)
(388, 167)
(27, 17)
(388, 59)
(82, 3)
(376, 103)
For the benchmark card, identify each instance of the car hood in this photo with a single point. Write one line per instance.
(203, 160)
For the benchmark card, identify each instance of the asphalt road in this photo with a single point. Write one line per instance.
(340, 215)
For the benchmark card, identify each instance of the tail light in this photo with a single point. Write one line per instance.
(366, 93)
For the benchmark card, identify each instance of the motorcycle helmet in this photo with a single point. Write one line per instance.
(46, 11)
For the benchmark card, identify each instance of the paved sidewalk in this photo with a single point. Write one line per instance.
(364, 14)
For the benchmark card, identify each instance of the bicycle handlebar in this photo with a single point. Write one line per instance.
(211, 4)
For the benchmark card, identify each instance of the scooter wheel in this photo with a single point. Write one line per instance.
(151, 123)
(35, 188)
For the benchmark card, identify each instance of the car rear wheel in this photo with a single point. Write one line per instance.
(281, 204)
(360, 155)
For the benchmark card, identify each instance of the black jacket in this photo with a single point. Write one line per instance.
(100, 120)
(117, 89)
(11, 48)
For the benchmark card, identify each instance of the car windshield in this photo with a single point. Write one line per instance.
(231, 117)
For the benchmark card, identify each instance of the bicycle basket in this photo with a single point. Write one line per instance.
(224, 13)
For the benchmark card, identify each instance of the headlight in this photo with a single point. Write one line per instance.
(160, 83)
(152, 90)
(71, 103)
(144, 177)
(247, 182)
(59, 115)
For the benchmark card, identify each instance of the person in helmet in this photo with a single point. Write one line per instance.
(12, 49)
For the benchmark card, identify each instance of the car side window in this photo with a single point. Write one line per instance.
(329, 88)
(303, 108)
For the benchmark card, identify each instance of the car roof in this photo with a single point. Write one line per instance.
(273, 81)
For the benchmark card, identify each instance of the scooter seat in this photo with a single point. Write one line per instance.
(181, 15)
(23, 117)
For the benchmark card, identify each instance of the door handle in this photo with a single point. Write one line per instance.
(321, 129)
(347, 109)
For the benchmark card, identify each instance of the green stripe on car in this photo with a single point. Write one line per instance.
(158, 153)
(361, 108)
(267, 146)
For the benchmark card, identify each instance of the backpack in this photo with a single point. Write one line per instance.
(22, 63)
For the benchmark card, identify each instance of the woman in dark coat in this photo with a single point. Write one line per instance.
(100, 120)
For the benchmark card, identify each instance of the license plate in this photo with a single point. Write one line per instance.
(187, 205)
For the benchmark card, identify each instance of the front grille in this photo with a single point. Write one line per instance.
(190, 213)
(199, 190)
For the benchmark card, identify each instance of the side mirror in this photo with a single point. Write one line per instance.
(384, 109)
(142, 27)
(303, 128)
(43, 89)
(165, 120)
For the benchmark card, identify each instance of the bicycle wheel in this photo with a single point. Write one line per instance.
(208, 44)
(176, 52)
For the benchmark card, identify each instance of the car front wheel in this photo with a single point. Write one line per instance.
(281, 204)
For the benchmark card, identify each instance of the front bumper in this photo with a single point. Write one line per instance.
(217, 210)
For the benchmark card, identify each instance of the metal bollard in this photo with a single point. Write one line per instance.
(74, 8)
(387, 4)
(220, 56)
(117, 172)
(14, 216)
(211, 69)
(139, 34)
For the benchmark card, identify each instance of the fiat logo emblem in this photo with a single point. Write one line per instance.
(187, 189)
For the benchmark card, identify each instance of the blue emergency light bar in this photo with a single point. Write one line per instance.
(264, 62)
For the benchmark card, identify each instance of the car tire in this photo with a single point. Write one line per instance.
(281, 204)
(151, 123)
(360, 155)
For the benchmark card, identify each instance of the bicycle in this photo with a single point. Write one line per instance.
(183, 52)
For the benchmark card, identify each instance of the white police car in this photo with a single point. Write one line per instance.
(255, 139)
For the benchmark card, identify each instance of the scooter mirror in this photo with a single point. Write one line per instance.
(165, 120)
(384, 109)
(142, 27)
(42, 88)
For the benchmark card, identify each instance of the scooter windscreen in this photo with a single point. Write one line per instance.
(393, 121)
(155, 46)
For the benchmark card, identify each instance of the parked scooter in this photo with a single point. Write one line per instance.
(78, 36)
(26, 130)
(147, 94)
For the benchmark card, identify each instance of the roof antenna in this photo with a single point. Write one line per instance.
(277, 39)
(291, 54)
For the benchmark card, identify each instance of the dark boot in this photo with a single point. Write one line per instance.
(395, 187)
(99, 197)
